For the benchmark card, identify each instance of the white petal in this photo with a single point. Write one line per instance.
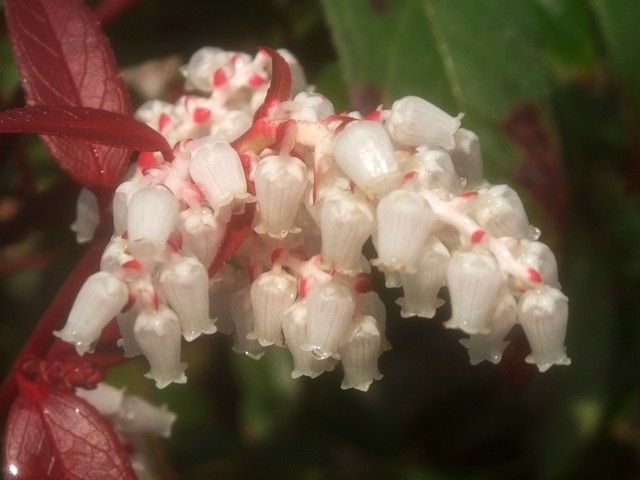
(280, 183)
(185, 283)
(436, 171)
(364, 152)
(120, 206)
(87, 216)
(474, 280)
(115, 255)
(543, 313)
(159, 335)
(231, 126)
(137, 416)
(467, 157)
(329, 316)
(360, 355)
(202, 234)
(272, 293)
(540, 257)
(345, 224)
(500, 211)
(151, 218)
(126, 322)
(202, 66)
(404, 220)
(414, 122)
(105, 398)
(101, 297)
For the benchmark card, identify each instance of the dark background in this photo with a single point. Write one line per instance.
(553, 88)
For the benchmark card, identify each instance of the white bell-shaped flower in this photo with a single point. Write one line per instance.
(216, 168)
(231, 126)
(329, 316)
(489, 346)
(359, 355)
(137, 416)
(105, 398)
(311, 107)
(159, 336)
(120, 205)
(272, 293)
(294, 326)
(499, 210)
(127, 341)
(100, 299)
(364, 152)
(414, 121)
(87, 216)
(404, 220)
(474, 280)
(346, 222)
(115, 254)
(185, 283)
(467, 157)
(243, 321)
(280, 183)
(370, 304)
(436, 171)
(543, 314)
(421, 288)
(202, 67)
(151, 218)
(540, 257)
(202, 234)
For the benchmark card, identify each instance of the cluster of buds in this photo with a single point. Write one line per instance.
(132, 418)
(409, 178)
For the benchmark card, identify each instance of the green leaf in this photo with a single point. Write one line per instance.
(475, 56)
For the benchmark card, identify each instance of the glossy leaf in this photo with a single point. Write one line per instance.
(65, 59)
(52, 434)
(99, 126)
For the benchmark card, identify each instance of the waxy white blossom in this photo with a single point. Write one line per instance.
(185, 284)
(272, 293)
(540, 257)
(436, 170)
(87, 216)
(101, 297)
(364, 152)
(159, 336)
(126, 322)
(243, 320)
(280, 183)
(202, 233)
(414, 122)
(500, 211)
(543, 313)
(136, 416)
(359, 355)
(474, 280)
(467, 157)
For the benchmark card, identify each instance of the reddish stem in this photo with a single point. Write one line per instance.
(41, 339)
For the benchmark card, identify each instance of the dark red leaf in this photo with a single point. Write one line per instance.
(108, 10)
(101, 126)
(64, 58)
(280, 87)
(57, 435)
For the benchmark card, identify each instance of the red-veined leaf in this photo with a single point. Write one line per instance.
(64, 58)
(57, 435)
(101, 126)
(280, 86)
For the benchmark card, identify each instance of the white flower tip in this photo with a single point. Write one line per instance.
(192, 334)
(544, 366)
(480, 351)
(88, 216)
(163, 382)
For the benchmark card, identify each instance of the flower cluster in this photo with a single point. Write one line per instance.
(409, 178)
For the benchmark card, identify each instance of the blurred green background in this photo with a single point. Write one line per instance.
(553, 89)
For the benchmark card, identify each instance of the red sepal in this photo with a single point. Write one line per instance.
(280, 86)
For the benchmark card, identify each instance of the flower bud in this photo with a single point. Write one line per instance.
(414, 122)
(137, 416)
(101, 297)
(126, 322)
(151, 218)
(540, 257)
(364, 152)
(202, 66)
(216, 168)
(421, 288)
(330, 308)
(467, 157)
(159, 336)
(474, 280)
(272, 293)
(311, 107)
(294, 326)
(500, 211)
(202, 234)
(489, 346)
(243, 321)
(345, 224)
(105, 398)
(404, 220)
(87, 216)
(436, 171)
(280, 183)
(185, 283)
(115, 255)
(543, 314)
(360, 354)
